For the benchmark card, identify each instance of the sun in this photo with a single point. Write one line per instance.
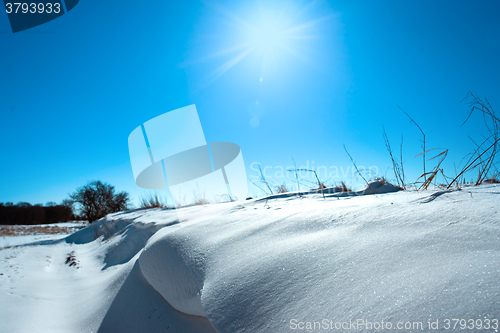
(271, 38)
(267, 37)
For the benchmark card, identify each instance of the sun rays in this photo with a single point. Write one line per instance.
(269, 38)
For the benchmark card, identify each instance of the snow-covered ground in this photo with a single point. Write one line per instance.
(8, 241)
(12, 235)
(414, 260)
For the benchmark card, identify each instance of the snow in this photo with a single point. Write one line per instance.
(25, 234)
(265, 265)
(8, 241)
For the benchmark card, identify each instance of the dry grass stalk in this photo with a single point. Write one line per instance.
(485, 160)
(264, 181)
(342, 188)
(321, 186)
(296, 175)
(432, 174)
(471, 165)
(281, 188)
(492, 180)
(23, 230)
(423, 135)
(383, 180)
(357, 170)
(259, 187)
(397, 167)
(202, 201)
(152, 201)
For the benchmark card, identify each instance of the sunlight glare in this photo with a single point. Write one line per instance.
(267, 36)
(269, 39)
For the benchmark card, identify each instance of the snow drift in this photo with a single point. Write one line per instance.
(276, 264)
(402, 256)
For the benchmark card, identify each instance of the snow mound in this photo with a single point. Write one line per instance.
(378, 187)
(264, 267)
(125, 234)
(372, 187)
(174, 267)
(137, 307)
(104, 229)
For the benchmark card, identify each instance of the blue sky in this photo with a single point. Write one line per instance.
(73, 89)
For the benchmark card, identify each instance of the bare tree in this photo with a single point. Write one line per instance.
(98, 199)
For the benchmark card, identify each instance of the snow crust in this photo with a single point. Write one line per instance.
(261, 265)
(398, 256)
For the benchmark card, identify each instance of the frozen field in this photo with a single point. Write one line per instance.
(11, 235)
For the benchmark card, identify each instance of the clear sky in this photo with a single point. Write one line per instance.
(283, 79)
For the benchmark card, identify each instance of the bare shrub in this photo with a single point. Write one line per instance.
(492, 180)
(153, 201)
(342, 188)
(71, 260)
(202, 201)
(281, 188)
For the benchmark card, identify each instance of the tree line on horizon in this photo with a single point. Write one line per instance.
(26, 213)
(90, 202)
